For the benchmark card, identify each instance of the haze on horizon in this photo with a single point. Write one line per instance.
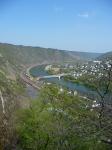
(79, 25)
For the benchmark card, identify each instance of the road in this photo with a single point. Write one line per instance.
(29, 81)
(26, 79)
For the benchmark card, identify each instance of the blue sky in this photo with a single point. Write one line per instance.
(79, 25)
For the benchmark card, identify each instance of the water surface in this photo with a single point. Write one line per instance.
(40, 71)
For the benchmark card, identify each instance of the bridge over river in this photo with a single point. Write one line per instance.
(53, 76)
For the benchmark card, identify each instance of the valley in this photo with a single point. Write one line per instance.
(55, 75)
(35, 88)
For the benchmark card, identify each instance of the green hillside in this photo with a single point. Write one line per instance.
(22, 55)
(56, 119)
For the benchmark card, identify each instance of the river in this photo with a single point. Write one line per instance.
(40, 71)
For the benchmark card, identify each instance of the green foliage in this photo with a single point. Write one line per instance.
(58, 120)
(9, 93)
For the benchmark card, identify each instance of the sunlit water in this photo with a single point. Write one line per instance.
(40, 71)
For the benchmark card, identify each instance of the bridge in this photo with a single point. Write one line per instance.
(53, 76)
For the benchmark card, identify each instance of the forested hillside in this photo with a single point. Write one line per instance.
(21, 55)
(10, 100)
(58, 119)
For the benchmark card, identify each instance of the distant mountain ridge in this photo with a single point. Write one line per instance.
(18, 54)
(106, 56)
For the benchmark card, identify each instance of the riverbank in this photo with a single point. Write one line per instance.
(78, 81)
(32, 66)
(26, 76)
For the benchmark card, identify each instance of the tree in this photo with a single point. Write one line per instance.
(59, 120)
(101, 83)
(8, 106)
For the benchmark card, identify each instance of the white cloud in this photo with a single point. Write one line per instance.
(84, 15)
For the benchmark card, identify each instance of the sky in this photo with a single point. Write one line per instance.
(78, 25)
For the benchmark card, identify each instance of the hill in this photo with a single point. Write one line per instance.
(106, 56)
(17, 124)
(24, 55)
